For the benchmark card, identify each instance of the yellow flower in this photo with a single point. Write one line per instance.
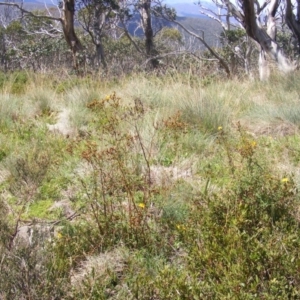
(59, 235)
(285, 180)
(253, 144)
(220, 128)
(107, 97)
(180, 227)
(274, 280)
(141, 205)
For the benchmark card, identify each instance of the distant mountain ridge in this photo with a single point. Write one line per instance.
(189, 8)
(183, 9)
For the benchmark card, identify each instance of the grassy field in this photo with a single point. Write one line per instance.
(149, 187)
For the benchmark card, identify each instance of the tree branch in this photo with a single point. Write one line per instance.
(210, 49)
(130, 37)
(23, 10)
(291, 19)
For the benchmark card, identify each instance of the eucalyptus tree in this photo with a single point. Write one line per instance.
(66, 12)
(147, 16)
(249, 13)
(292, 19)
(144, 8)
(98, 18)
(237, 47)
(170, 15)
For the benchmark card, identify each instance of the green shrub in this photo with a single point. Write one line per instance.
(235, 239)
(19, 82)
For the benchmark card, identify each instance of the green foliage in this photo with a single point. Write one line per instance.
(237, 240)
(168, 39)
(287, 42)
(39, 209)
(14, 28)
(236, 49)
(171, 34)
(27, 173)
(164, 11)
(16, 81)
(3, 79)
(233, 36)
(19, 82)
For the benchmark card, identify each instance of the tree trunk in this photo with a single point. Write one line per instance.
(100, 55)
(98, 22)
(292, 21)
(263, 66)
(264, 70)
(271, 25)
(68, 29)
(248, 58)
(267, 44)
(145, 11)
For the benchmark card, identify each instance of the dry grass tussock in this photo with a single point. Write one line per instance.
(99, 268)
(165, 176)
(62, 125)
(275, 129)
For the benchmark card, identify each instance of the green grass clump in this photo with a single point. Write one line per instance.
(39, 209)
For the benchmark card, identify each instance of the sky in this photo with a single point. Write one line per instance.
(189, 2)
(180, 1)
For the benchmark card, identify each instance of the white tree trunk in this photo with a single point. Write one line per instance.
(293, 21)
(264, 70)
(266, 40)
(273, 50)
(248, 58)
(263, 66)
(98, 24)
